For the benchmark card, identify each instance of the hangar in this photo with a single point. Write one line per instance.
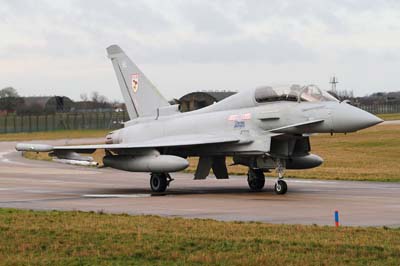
(199, 99)
(48, 105)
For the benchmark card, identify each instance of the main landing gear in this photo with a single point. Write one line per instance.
(160, 181)
(256, 179)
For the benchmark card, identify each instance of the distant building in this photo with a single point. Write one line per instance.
(45, 105)
(9, 105)
(197, 100)
(90, 106)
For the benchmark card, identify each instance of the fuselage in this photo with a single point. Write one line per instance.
(241, 115)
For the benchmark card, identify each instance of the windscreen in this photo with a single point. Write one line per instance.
(269, 94)
(312, 93)
(294, 93)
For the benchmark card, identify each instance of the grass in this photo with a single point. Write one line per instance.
(395, 116)
(372, 154)
(78, 238)
(62, 134)
(369, 155)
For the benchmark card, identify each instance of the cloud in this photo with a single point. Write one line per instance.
(302, 35)
(206, 17)
(275, 50)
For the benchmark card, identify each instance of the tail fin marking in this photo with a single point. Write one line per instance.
(141, 97)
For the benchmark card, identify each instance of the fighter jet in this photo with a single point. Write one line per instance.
(263, 128)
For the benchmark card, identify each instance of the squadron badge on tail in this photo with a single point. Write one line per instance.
(135, 82)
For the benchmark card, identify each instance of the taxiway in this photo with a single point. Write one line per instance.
(44, 185)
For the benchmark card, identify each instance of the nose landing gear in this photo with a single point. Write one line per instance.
(280, 187)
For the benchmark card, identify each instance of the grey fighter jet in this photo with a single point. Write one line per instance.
(262, 128)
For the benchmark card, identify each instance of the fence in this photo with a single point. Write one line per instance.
(387, 108)
(62, 121)
(106, 120)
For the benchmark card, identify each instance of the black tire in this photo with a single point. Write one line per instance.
(280, 187)
(256, 179)
(158, 182)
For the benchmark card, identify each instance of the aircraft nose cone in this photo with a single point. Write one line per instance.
(369, 120)
(348, 118)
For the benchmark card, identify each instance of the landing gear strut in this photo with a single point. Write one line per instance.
(280, 185)
(160, 181)
(255, 179)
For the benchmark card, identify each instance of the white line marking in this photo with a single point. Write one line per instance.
(6, 160)
(310, 181)
(2, 156)
(38, 191)
(116, 195)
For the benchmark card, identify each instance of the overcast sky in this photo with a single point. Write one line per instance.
(58, 47)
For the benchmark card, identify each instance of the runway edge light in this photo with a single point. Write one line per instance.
(337, 218)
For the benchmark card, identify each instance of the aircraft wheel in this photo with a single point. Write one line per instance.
(256, 179)
(158, 182)
(280, 187)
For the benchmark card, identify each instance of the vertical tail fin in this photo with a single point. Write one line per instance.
(141, 97)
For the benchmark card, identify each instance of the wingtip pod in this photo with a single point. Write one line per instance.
(33, 147)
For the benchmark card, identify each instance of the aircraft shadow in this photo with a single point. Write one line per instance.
(176, 192)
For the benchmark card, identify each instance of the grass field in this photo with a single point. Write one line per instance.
(77, 238)
(394, 116)
(372, 154)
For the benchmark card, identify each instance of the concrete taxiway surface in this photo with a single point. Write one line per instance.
(43, 185)
(391, 122)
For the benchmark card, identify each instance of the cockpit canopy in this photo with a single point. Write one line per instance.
(294, 93)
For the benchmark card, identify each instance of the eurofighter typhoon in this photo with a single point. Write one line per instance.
(262, 128)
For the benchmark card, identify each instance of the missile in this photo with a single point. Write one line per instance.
(75, 162)
(304, 162)
(70, 155)
(153, 163)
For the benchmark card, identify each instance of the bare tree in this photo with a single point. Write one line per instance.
(98, 98)
(345, 94)
(95, 96)
(84, 97)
